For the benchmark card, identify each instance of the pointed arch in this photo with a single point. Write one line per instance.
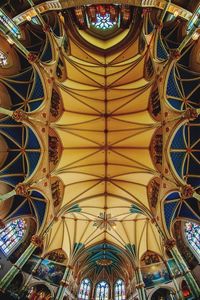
(119, 290)
(102, 290)
(12, 235)
(192, 236)
(85, 289)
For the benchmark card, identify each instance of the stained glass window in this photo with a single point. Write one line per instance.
(194, 21)
(11, 235)
(192, 233)
(84, 291)
(102, 291)
(3, 59)
(120, 290)
(9, 24)
(104, 21)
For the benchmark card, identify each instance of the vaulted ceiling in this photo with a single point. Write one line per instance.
(123, 137)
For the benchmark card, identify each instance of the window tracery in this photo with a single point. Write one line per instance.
(11, 235)
(120, 290)
(84, 291)
(192, 234)
(102, 291)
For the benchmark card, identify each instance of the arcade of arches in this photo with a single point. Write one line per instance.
(99, 149)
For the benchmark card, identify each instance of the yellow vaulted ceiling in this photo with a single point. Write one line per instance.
(106, 131)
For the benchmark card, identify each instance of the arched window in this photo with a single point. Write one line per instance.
(84, 291)
(102, 291)
(119, 290)
(192, 234)
(11, 235)
(3, 59)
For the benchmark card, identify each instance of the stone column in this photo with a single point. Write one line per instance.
(179, 295)
(30, 276)
(17, 267)
(36, 242)
(189, 35)
(183, 268)
(170, 245)
(18, 115)
(63, 284)
(140, 284)
(21, 189)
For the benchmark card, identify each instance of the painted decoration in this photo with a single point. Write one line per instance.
(47, 270)
(39, 292)
(155, 274)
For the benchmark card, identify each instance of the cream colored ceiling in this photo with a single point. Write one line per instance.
(106, 131)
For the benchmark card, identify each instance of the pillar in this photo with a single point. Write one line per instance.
(21, 189)
(170, 245)
(63, 284)
(140, 284)
(188, 36)
(16, 268)
(30, 276)
(187, 191)
(18, 115)
(183, 268)
(179, 295)
(36, 242)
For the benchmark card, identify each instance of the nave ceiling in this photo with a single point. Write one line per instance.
(109, 144)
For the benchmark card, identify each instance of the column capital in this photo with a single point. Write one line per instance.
(22, 189)
(64, 283)
(70, 267)
(175, 54)
(36, 240)
(140, 285)
(32, 57)
(187, 191)
(191, 114)
(169, 244)
(19, 115)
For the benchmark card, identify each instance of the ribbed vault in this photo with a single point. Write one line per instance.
(106, 131)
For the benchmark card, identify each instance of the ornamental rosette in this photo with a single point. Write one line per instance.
(32, 57)
(19, 115)
(169, 244)
(175, 54)
(187, 191)
(191, 114)
(36, 240)
(22, 189)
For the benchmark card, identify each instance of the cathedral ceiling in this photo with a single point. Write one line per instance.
(118, 144)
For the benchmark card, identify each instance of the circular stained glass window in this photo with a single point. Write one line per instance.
(104, 22)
